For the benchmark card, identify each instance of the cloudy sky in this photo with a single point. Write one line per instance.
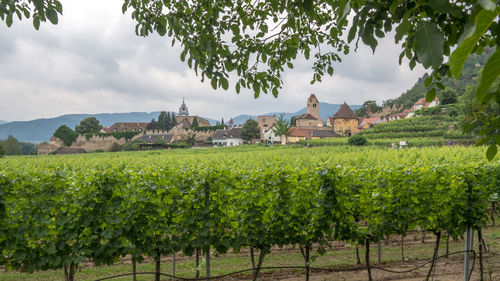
(92, 62)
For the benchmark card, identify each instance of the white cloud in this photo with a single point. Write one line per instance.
(93, 62)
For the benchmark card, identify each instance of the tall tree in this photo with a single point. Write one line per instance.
(195, 123)
(168, 122)
(250, 130)
(88, 125)
(173, 120)
(11, 146)
(282, 128)
(2, 151)
(162, 119)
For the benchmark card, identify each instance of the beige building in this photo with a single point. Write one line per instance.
(186, 120)
(311, 118)
(345, 122)
(265, 123)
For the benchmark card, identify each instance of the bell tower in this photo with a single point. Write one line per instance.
(183, 110)
(313, 106)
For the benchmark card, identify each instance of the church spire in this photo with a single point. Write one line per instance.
(183, 110)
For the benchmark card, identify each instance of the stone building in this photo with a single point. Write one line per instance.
(345, 122)
(126, 127)
(311, 118)
(265, 122)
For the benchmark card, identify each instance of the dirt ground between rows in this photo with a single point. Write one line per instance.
(450, 269)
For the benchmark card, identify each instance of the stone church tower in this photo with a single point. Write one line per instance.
(183, 110)
(313, 106)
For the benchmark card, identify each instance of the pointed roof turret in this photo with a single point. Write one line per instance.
(345, 112)
(183, 110)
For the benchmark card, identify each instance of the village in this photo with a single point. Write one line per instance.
(186, 130)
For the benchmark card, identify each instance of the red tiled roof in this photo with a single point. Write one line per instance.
(420, 101)
(300, 132)
(345, 112)
(370, 120)
(306, 116)
(126, 126)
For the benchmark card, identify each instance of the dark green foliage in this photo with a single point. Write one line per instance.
(173, 121)
(250, 130)
(27, 148)
(293, 121)
(368, 108)
(66, 134)
(88, 125)
(11, 146)
(2, 151)
(469, 76)
(195, 123)
(357, 140)
(163, 120)
(153, 125)
(448, 96)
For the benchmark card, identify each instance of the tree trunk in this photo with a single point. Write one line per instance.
(423, 237)
(481, 268)
(436, 249)
(447, 245)
(134, 269)
(358, 260)
(493, 205)
(252, 257)
(197, 263)
(402, 248)
(173, 265)
(157, 265)
(259, 265)
(305, 254)
(367, 259)
(69, 275)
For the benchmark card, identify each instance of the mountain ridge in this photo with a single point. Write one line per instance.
(41, 129)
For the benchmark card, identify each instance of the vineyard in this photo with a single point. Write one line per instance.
(434, 130)
(60, 211)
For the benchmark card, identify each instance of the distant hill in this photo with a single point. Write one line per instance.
(325, 110)
(40, 130)
(3, 122)
(471, 69)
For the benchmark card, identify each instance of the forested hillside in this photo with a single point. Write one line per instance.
(470, 71)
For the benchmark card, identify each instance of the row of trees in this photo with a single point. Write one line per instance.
(11, 146)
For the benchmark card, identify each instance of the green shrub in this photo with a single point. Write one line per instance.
(357, 140)
(66, 134)
(2, 152)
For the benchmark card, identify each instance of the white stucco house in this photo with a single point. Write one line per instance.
(227, 137)
(271, 137)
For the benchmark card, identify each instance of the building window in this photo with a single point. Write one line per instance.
(314, 105)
